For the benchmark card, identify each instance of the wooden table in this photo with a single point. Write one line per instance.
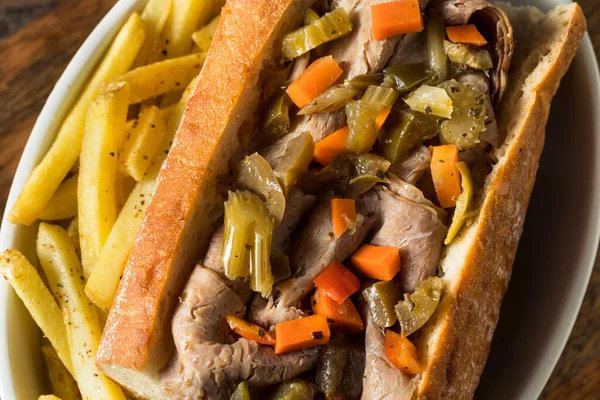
(39, 37)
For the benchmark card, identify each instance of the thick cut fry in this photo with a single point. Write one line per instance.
(155, 16)
(142, 143)
(185, 17)
(26, 281)
(104, 280)
(73, 232)
(63, 204)
(62, 267)
(162, 77)
(203, 37)
(50, 172)
(61, 381)
(104, 134)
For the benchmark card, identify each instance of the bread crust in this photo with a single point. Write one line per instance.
(181, 217)
(457, 340)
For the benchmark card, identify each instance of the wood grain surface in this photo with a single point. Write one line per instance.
(39, 37)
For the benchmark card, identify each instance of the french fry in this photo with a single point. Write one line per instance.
(165, 113)
(103, 136)
(124, 184)
(73, 232)
(49, 397)
(185, 17)
(142, 143)
(104, 280)
(162, 77)
(50, 172)
(62, 382)
(63, 204)
(60, 262)
(155, 16)
(26, 281)
(203, 37)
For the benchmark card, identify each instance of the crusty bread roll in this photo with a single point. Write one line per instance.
(177, 226)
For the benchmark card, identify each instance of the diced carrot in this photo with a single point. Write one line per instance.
(331, 146)
(343, 212)
(382, 116)
(319, 75)
(395, 18)
(377, 262)
(338, 282)
(249, 331)
(343, 316)
(301, 333)
(466, 34)
(401, 353)
(446, 178)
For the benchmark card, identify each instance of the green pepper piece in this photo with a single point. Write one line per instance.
(256, 175)
(362, 82)
(295, 161)
(247, 239)
(407, 76)
(463, 202)
(242, 392)
(405, 130)
(438, 61)
(331, 100)
(340, 370)
(310, 17)
(414, 313)
(381, 297)
(295, 389)
(277, 119)
(280, 266)
(468, 56)
(327, 28)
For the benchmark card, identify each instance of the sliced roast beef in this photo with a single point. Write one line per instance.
(412, 168)
(208, 363)
(381, 380)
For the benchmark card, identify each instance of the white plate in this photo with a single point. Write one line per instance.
(554, 262)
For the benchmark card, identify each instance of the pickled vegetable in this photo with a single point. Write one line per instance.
(406, 129)
(277, 120)
(242, 392)
(350, 174)
(468, 118)
(247, 240)
(468, 56)
(295, 161)
(407, 76)
(463, 202)
(416, 309)
(295, 389)
(310, 16)
(362, 114)
(256, 175)
(280, 266)
(327, 28)
(362, 82)
(381, 298)
(340, 370)
(431, 100)
(438, 61)
(331, 100)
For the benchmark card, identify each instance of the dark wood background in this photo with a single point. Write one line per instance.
(39, 37)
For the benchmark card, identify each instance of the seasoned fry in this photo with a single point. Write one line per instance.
(104, 280)
(73, 232)
(47, 176)
(63, 204)
(103, 136)
(61, 381)
(185, 17)
(142, 143)
(155, 16)
(26, 281)
(203, 37)
(162, 77)
(62, 267)
(124, 184)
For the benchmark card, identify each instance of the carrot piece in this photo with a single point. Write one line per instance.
(343, 316)
(338, 282)
(343, 212)
(249, 331)
(377, 262)
(382, 116)
(466, 34)
(331, 146)
(446, 178)
(301, 333)
(395, 18)
(319, 75)
(401, 353)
